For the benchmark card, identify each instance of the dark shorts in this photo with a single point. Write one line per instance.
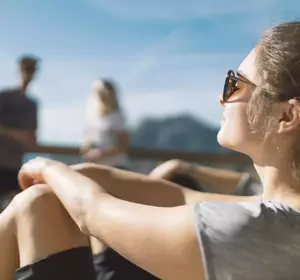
(109, 265)
(79, 264)
(8, 181)
(186, 181)
(74, 264)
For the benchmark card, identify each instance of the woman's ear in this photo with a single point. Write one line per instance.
(290, 119)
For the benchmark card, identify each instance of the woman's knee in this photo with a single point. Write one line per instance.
(23, 203)
(33, 200)
(43, 226)
(39, 207)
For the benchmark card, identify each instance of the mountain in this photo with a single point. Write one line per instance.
(183, 132)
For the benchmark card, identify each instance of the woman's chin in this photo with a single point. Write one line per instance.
(221, 138)
(225, 141)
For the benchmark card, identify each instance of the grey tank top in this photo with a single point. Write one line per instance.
(249, 241)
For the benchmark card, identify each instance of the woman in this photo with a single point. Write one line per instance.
(213, 240)
(106, 137)
(106, 142)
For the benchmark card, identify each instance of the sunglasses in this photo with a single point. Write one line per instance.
(231, 85)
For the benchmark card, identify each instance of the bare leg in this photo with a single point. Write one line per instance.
(9, 257)
(43, 227)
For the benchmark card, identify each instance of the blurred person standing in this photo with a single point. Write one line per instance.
(18, 124)
(106, 138)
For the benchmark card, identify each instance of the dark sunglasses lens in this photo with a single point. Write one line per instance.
(227, 89)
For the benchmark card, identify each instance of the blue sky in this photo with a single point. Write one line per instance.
(168, 56)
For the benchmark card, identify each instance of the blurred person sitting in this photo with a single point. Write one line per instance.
(217, 180)
(106, 142)
(18, 125)
(105, 134)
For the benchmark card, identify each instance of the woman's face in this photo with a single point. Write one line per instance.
(235, 132)
(103, 96)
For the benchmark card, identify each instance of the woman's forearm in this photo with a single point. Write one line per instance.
(220, 180)
(146, 190)
(73, 190)
(134, 187)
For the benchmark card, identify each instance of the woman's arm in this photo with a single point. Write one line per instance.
(161, 240)
(220, 180)
(121, 147)
(139, 188)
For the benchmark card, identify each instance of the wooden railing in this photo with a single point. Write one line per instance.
(159, 155)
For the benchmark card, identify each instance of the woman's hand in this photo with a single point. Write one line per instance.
(32, 171)
(169, 168)
(93, 155)
(85, 148)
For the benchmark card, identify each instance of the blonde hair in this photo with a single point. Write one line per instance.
(278, 61)
(104, 100)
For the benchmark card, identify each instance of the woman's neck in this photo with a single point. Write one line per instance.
(279, 184)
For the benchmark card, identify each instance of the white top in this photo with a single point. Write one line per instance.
(102, 132)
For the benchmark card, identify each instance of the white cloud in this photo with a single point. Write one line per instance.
(61, 124)
(179, 9)
(149, 58)
(181, 73)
